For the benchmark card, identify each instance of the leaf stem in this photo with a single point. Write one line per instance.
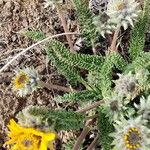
(115, 38)
(96, 104)
(53, 86)
(82, 136)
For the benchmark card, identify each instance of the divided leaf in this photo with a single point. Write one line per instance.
(105, 128)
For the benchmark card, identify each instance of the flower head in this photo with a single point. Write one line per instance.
(114, 108)
(103, 24)
(126, 86)
(123, 12)
(131, 135)
(144, 108)
(28, 138)
(25, 81)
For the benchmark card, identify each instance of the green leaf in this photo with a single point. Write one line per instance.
(141, 62)
(35, 35)
(59, 119)
(85, 20)
(105, 128)
(81, 96)
(112, 61)
(138, 34)
(76, 60)
(68, 71)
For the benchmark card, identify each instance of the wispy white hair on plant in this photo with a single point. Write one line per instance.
(126, 86)
(144, 107)
(123, 12)
(114, 107)
(103, 24)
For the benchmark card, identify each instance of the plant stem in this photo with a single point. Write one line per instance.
(114, 41)
(96, 104)
(79, 141)
(88, 87)
(53, 86)
(93, 144)
(82, 136)
(64, 24)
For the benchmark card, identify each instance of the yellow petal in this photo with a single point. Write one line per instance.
(13, 126)
(50, 136)
(44, 144)
(15, 147)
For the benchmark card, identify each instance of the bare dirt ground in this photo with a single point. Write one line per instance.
(15, 16)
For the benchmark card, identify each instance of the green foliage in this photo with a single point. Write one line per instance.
(105, 128)
(59, 119)
(68, 71)
(141, 62)
(138, 33)
(76, 60)
(81, 96)
(67, 62)
(146, 12)
(85, 20)
(35, 35)
(112, 61)
(94, 78)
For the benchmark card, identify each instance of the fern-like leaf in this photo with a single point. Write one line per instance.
(60, 119)
(85, 20)
(141, 62)
(76, 60)
(82, 96)
(138, 34)
(105, 128)
(113, 60)
(69, 72)
(35, 35)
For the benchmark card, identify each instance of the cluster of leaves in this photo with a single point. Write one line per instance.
(98, 84)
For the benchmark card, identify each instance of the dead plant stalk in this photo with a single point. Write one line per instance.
(54, 86)
(83, 134)
(64, 24)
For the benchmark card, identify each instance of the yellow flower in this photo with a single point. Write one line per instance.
(20, 80)
(29, 138)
